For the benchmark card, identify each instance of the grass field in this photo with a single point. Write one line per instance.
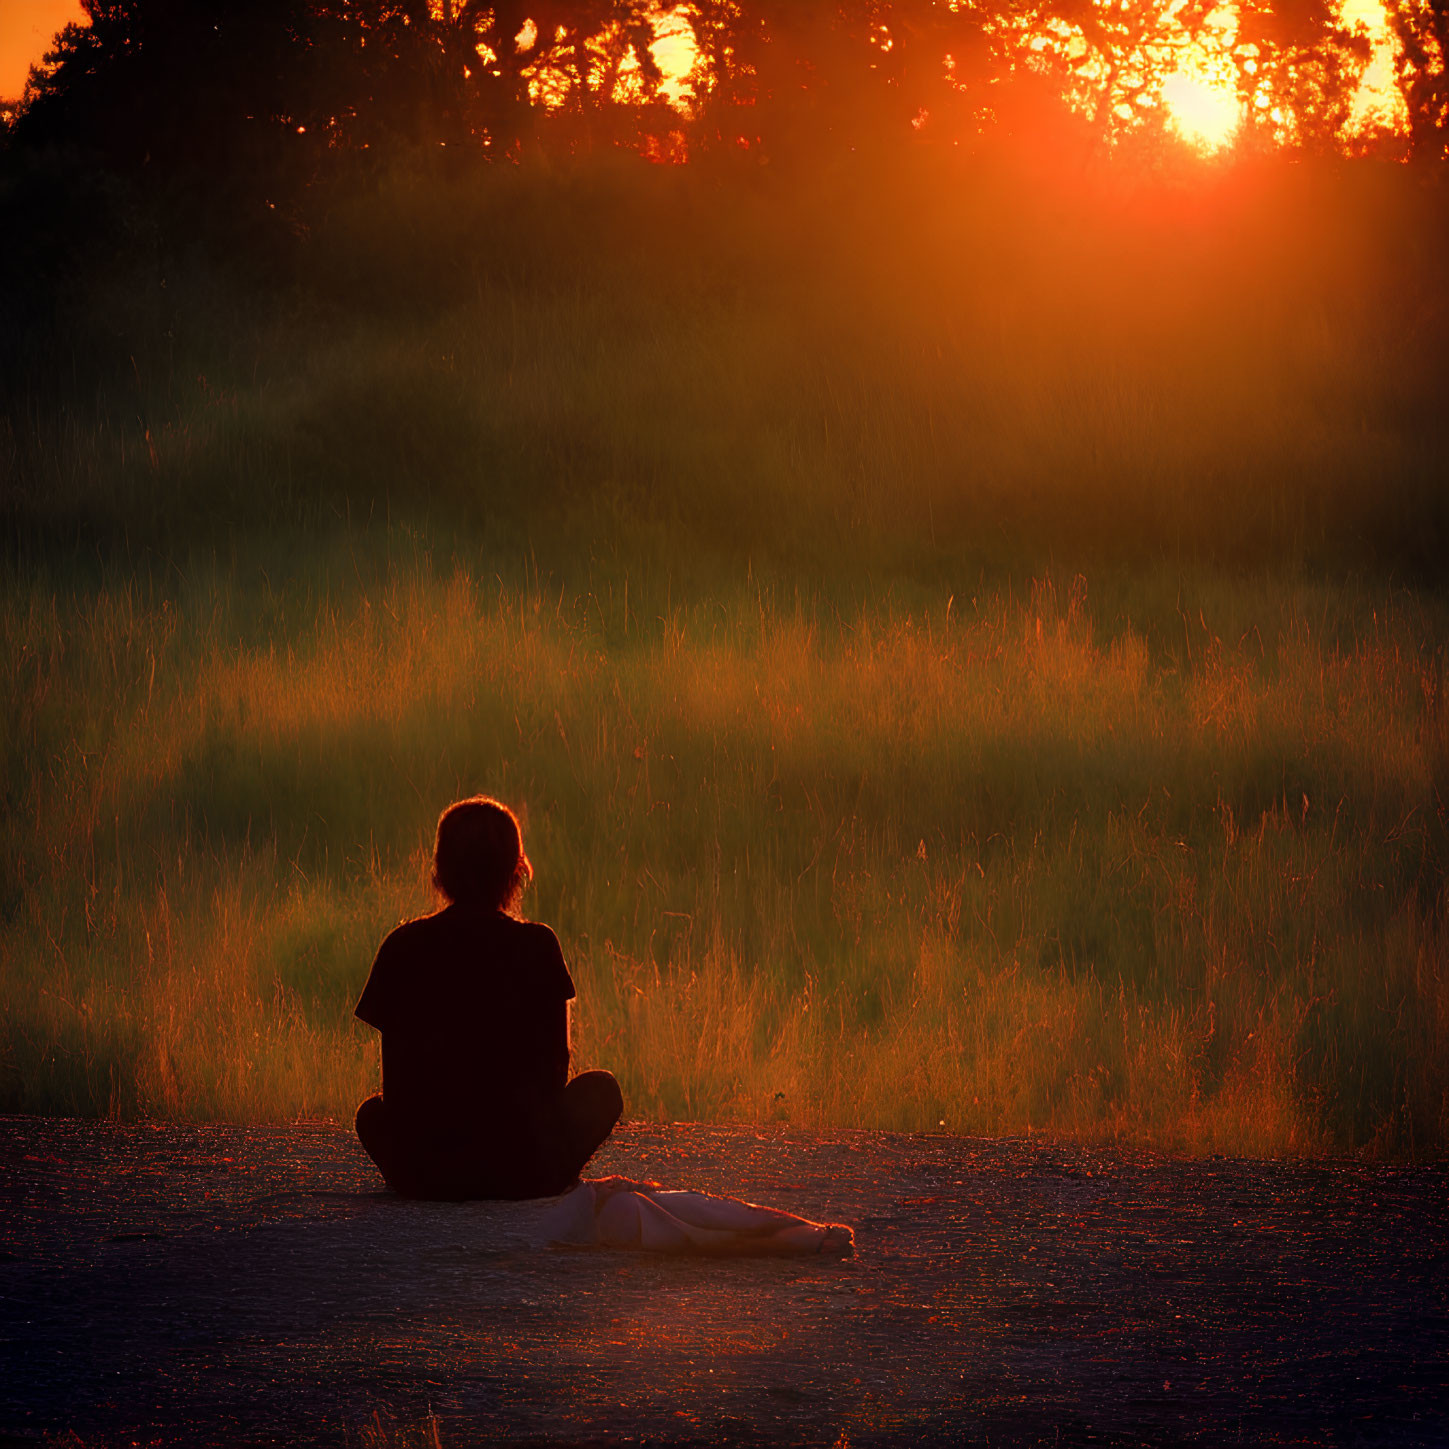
(987, 679)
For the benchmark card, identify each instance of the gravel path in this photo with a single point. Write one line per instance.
(240, 1285)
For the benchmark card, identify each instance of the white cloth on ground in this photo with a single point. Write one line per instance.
(617, 1212)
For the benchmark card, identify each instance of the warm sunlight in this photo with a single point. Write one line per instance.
(1136, 64)
(610, 66)
(1378, 102)
(644, 635)
(675, 53)
(1201, 94)
(1204, 111)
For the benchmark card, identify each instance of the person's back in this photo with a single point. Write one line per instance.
(473, 1007)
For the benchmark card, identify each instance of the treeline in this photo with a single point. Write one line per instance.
(297, 259)
(280, 90)
(244, 121)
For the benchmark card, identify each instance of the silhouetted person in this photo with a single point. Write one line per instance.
(473, 1006)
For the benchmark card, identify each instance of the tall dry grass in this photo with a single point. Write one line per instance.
(999, 863)
(969, 649)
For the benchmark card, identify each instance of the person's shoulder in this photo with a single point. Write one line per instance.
(410, 933)
(548, 956)
(519, 926)
(537, 937)
(417, 925)
(394, 971)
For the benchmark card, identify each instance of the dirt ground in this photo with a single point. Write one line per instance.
(239, 1285)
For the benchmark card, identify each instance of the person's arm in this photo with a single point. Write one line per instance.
(558, 989)
(375, 1004)
(559, 1047)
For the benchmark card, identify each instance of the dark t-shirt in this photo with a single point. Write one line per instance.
(473, 1010)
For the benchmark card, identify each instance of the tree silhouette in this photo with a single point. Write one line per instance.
(1422, 28)
(246, 104)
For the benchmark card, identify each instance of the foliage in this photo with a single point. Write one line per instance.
(1005, 862)
(984, 671)
(1422, 28)
(272, 94)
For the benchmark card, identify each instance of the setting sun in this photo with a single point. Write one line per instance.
(1201, 93)
(1204, 110)
(651, 645)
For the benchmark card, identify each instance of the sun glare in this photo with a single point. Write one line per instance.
(1195, 73)
(1204, 110)
(675, 53)
(672, 48)
(1377, 102)
(1201, 95)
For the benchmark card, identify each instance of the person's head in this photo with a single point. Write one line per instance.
(478, 859)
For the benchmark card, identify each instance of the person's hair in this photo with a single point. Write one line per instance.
(478, 857)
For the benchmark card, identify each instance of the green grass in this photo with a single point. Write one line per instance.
(1000, 863)
(924, 713)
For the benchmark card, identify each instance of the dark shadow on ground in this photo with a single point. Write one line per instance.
(200, 1285)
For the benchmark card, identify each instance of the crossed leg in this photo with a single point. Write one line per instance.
(543, 1155)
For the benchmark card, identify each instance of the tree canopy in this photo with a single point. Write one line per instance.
(273, 92)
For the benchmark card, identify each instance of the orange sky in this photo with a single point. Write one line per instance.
(26, 28)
